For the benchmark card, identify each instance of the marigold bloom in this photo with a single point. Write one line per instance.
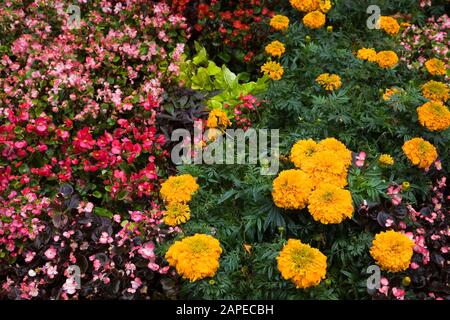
(392, 251)
(434, 115)
(305, 5)
(275, 48)
(390, 92)
(303, 265)
(176, 213)
(387, 59)
(332, 144)
(435, 90)
(302, 150)
(195, 257)
(386, 159)
(368, 54)
(435, 67)
(217, 118)
(273, 69)
(291, 189)
(279, 22)
(179, 188)
(420, 152)
(330, 204)
(329, 81)
(326, 167)
(325, 5)
(314, 20)
(389, 25)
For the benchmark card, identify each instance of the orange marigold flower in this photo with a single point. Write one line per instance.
(389, 25)
(368, 54)
(435, 90)
(279, 22)
(314, 20)
(387, 59)
(434, 115)
(436, 67)
(420, 152)
(275, 48)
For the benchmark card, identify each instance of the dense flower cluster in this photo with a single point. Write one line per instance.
(434, 115)
(392, 251)
(273, 69)
(279, 22)
(386, 59)
(195, 257)
(179, 189)
(291, 189)
(330, 204)
(303, 265)
(435, 67)
(329, 82)
(436, 90)
(389, 25)
(420, 152)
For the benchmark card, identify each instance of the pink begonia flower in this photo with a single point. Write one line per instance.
(70, 286)
(153, 266)
(89, 207)
(50, 253)
(29, 256)
(398, 293)
(360, 158)
(164, 270)
(414, 266)
(394, 193)
(147, 251)
(117, 218)
(438, 165)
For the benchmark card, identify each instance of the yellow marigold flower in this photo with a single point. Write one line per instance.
(291, 189)
(301, 150)
(434, 115)
(275, 48)
(176, 213)
(179, 188)
(420, 152)
(436, 67)
(195, 257)
(329, 81)
(387, 59)
(326, 167)
(330, 204)
(279, 22)
(368, 54)
(314, 20)
(217, 118)
(435, 90)
(303, 265)
(392, 251)
(273, 69)
(305, 5)
(390, 92)
(332, 144)
(325, 5)
(389, 25)
(386, 159)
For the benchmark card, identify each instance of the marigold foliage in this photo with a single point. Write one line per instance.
(436, 67)
(291, 189)
(176, 213)
(435, 90)
(273, 69)
(420, 152)
(195, 257)
(330, 204)
(329, 81)
(275, 48)
(279, 22)
(303, 265)
(179, 188)
(434, 115)
(387, 59)
(389, 25)
(392, 251)
(314, 20)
